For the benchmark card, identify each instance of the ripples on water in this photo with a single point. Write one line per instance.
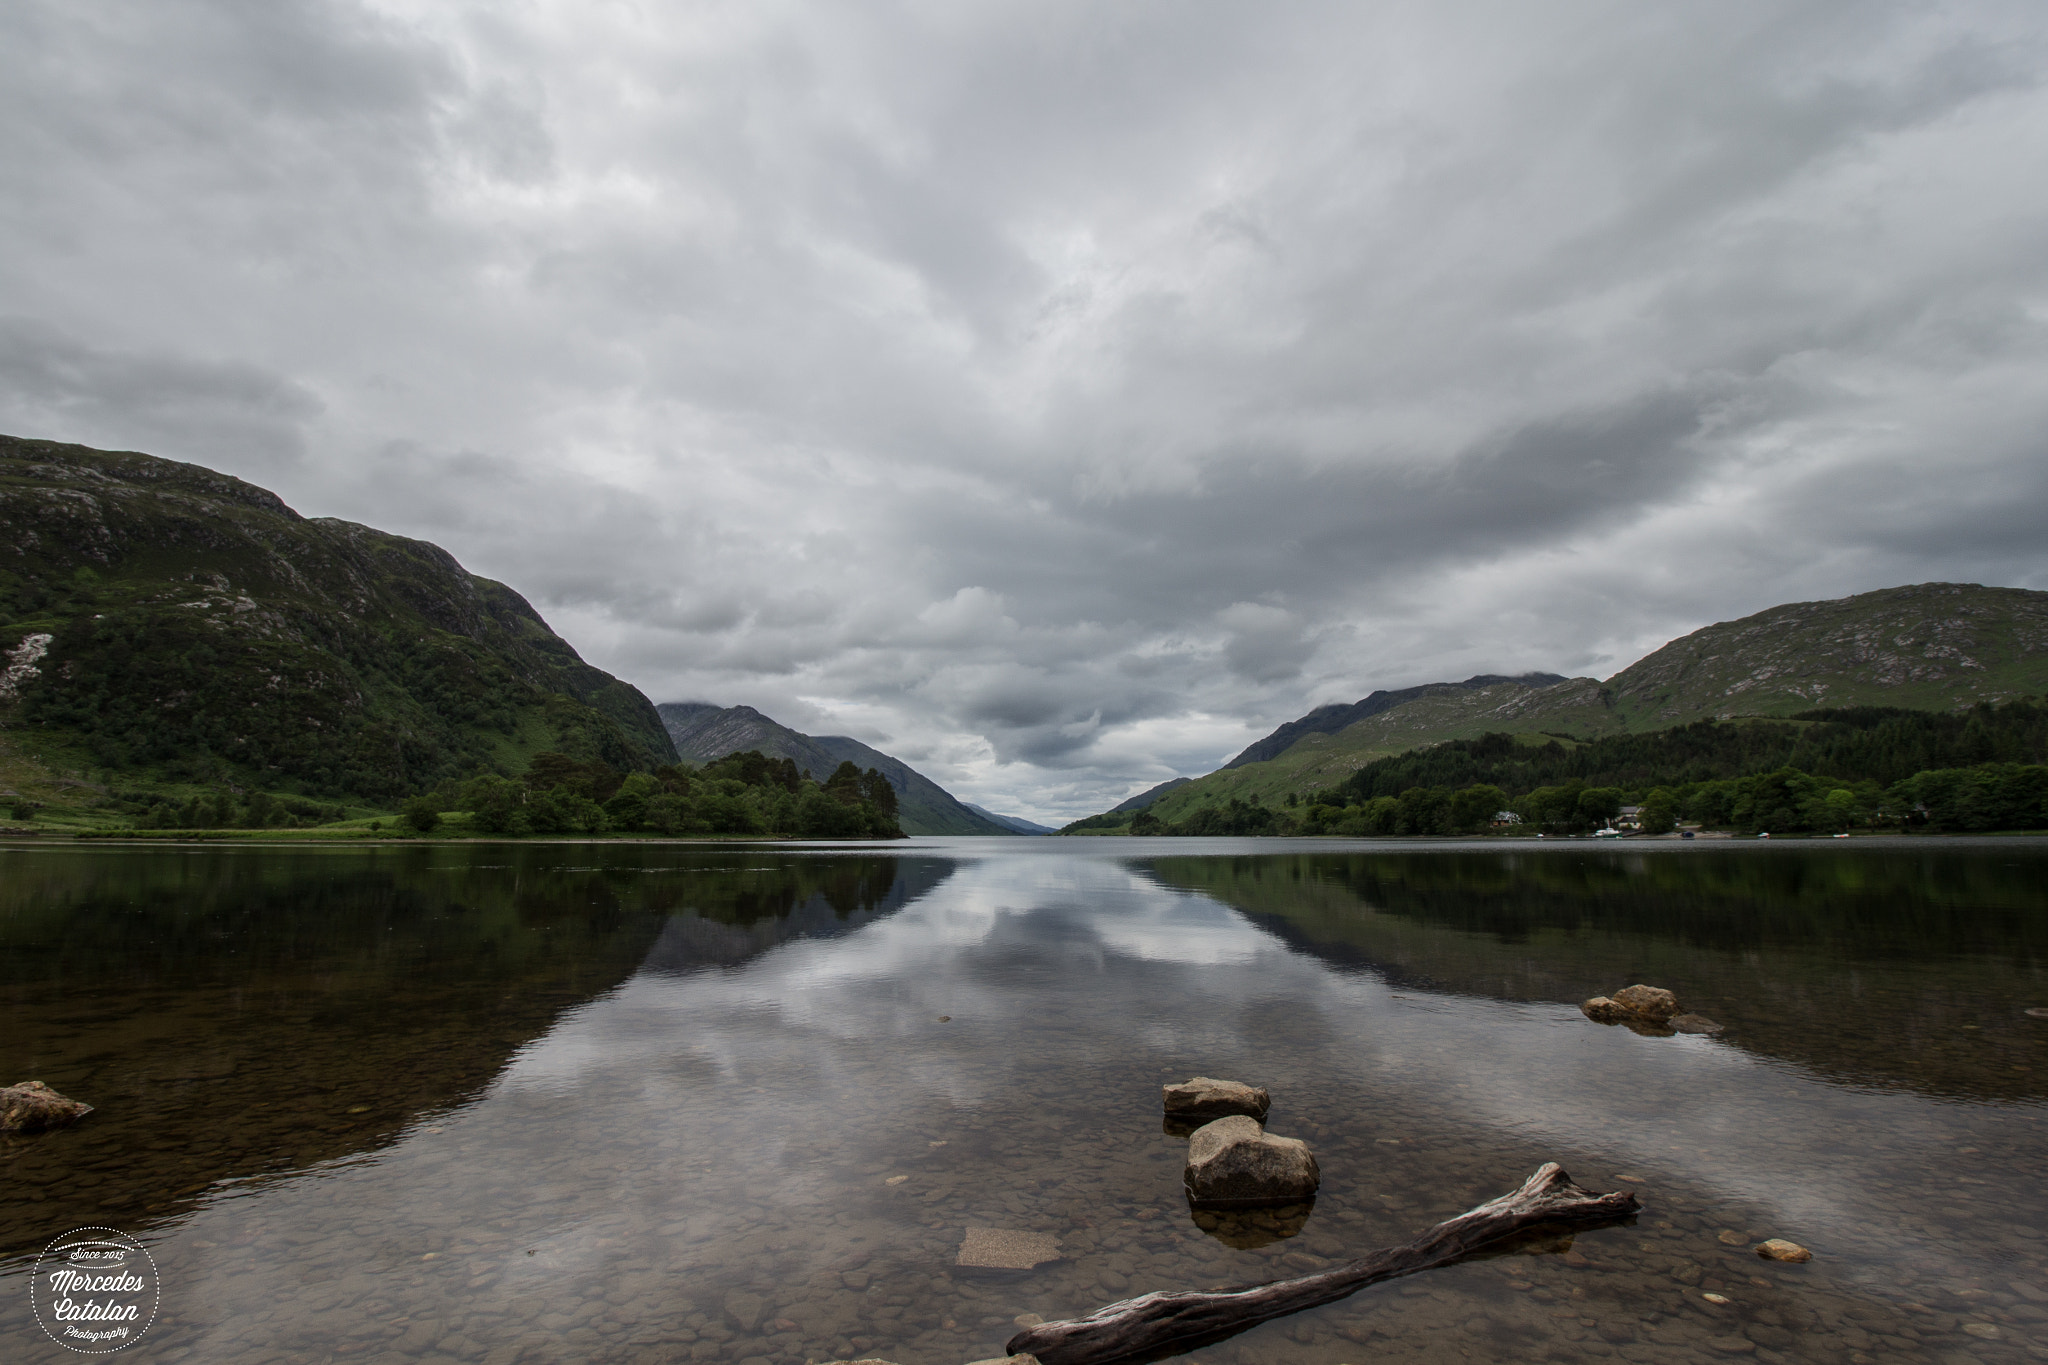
(666, 1103)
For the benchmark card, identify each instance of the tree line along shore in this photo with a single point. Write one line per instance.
(741, 795)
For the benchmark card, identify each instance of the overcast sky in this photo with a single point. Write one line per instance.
(1061, 395)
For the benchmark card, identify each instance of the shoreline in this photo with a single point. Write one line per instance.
(310, 839)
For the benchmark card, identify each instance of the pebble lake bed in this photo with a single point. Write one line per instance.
(750, 1105)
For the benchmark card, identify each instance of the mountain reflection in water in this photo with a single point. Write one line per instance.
(237, 1012)
(1875, 967)
(653, 1103)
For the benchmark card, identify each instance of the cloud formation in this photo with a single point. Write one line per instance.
(1054, 396)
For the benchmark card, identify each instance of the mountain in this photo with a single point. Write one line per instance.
(1436, 712)
(1015, 824)
(1930, 646)
(163, 621)
(1328, 720)
(1145, 798)
(702, 732)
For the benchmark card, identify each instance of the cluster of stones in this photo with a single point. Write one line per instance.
(1646, 1009)
(32, 1107)
(1233, 1162)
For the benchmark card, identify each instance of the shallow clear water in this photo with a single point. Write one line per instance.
(666, 1102)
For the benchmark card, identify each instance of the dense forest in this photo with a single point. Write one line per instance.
(742, 793)
(1824, 771)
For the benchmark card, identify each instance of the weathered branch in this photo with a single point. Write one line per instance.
(1163, 1323)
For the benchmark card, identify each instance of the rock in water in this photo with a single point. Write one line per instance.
(1203, 1099)
(1007, 1249)
(1694, 1023)
(1653, 1004)
(744, 1308)
(1234, 1163)
(1778, 1249)
(32, 1107)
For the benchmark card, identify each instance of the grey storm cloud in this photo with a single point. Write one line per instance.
(1058, 395)
(50, 380)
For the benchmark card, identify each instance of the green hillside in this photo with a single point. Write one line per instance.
(1318, 762)
(165, 624)
(1932, 646)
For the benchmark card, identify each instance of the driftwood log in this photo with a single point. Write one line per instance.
(1168, 1322)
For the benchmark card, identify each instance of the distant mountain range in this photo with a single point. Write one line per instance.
(163, 622)
(1931, 646)
(1015, 824)
(703, 732)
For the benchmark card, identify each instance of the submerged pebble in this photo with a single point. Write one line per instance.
(1778, 1249)
(1006, 1249)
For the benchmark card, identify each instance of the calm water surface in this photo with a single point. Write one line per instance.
(680, 1103)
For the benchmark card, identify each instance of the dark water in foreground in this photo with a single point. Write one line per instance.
(668, 1103)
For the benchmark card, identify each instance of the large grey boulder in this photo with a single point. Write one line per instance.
(1234, 1163)
(31, 1107)
(1203, 1098)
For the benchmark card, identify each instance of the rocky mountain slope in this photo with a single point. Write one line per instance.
(163, 621)
(1930, 646)
(702, 732)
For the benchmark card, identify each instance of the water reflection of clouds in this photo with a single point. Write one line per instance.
(674, 1110)
(1080, 958)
